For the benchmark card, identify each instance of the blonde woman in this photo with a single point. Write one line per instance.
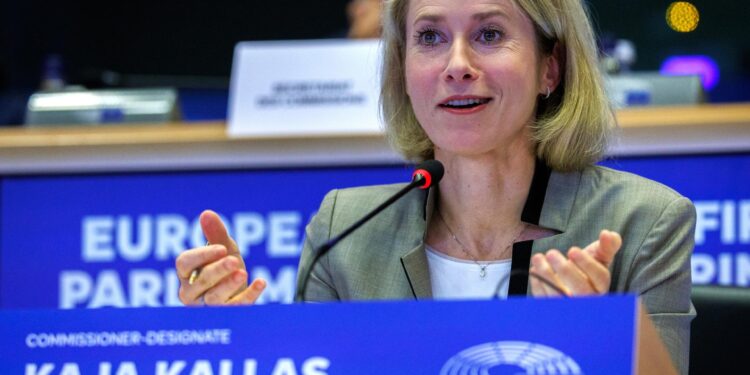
(507, 95)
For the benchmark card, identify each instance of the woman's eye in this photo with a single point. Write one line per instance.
(489, 36)
(429, 38)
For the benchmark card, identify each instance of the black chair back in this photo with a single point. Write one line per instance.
(719, 334)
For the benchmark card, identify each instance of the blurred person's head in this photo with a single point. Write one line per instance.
(364, 18)
(569, 127)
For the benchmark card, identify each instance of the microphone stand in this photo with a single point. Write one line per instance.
(418, 180)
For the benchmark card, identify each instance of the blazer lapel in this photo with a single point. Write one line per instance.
(415, 260)
(418, 272)
(560, 197)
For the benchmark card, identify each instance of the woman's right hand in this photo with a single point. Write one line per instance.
(222, 277)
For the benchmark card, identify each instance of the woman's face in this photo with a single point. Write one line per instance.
(473, 73)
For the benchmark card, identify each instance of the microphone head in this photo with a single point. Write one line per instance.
(430, 171)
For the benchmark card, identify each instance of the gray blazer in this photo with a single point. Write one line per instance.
(385, 259)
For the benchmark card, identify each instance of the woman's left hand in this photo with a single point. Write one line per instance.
(583, 272)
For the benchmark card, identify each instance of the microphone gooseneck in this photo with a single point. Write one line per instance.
(426, 175)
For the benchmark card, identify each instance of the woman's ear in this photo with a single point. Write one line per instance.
(552, 68)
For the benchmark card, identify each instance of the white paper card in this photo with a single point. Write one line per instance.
(305, 88)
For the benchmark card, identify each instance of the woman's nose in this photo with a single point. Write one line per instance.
(460, 67)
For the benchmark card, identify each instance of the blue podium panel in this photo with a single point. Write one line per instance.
(546, 336)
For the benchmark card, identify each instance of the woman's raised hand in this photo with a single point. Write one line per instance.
(583, 272)
(221, 274)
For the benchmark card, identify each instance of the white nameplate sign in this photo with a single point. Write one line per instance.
(298, 88)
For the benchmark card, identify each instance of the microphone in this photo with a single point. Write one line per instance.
(426, 174)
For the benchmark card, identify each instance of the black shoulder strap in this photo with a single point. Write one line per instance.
(532, 210)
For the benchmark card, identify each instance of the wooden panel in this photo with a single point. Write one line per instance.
(645, 131)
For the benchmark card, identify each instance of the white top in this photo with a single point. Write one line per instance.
(454, 278)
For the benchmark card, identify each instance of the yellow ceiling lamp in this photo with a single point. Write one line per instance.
(682, 16)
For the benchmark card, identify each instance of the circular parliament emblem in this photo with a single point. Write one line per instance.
(511, 357)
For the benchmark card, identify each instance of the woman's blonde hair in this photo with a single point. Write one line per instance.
(572, 126)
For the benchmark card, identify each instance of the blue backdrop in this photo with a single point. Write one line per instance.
(72, 241)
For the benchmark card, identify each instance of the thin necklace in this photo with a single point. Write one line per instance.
(482, 266)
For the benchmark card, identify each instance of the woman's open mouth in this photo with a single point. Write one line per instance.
(464, 105)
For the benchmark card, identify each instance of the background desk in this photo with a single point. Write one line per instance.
(95, 215)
